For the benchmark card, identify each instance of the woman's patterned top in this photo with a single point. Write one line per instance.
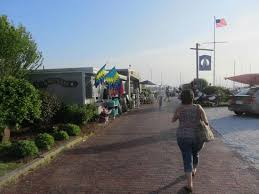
(189, 121)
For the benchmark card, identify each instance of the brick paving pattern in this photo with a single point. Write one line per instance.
(138, 153)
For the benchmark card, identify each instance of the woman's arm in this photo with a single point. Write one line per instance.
(203, 115)
(176, 116)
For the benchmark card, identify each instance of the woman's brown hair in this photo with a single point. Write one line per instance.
(187, 96)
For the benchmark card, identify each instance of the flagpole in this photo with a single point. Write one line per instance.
(214, 42)
(100, 96)
(234, 73)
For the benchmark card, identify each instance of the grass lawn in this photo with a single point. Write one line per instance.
(6, 167)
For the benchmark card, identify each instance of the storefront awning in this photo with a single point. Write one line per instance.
(250, 79)
(147, 82)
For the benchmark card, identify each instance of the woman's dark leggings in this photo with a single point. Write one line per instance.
(190, 152)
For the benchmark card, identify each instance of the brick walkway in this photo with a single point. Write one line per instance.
(138, 153)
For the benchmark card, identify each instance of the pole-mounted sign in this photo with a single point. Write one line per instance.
(197, 49)
(205, 63)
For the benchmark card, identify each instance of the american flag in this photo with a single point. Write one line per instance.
(221, 22)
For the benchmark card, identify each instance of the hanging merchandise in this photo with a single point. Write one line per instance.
(122, 90)
(113, 79)
(100, 76)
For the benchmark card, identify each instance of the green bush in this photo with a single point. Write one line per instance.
(212, 90)
(50, 106)
(44, 141)
(77, 114)
(91, 111)
(24, 148)
(71, 129)
(199, 83)
(224, 93)
(5, 149)
(72, 114)
(19, 101)
(60, 135)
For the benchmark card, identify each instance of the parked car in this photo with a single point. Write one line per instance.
(247, 101)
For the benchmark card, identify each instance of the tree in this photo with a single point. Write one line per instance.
(19, 101)
(18, 51)
(199, 83)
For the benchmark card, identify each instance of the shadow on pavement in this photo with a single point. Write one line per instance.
(163, 136)
(183, 191)
(176, 181)
(168, 107)
(146, 109)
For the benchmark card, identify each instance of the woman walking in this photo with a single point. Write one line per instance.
(189, 116)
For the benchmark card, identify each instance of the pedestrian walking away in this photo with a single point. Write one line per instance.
(167, 93)
(160, 101)
(189, 116)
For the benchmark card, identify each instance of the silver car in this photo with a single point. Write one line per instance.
(247, 101)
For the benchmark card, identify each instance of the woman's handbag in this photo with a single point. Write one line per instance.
(204, 132)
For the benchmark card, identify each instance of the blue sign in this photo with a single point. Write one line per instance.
(205, 63)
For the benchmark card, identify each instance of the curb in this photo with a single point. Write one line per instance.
(44, 158)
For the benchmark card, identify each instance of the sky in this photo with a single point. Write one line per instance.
(153, 36)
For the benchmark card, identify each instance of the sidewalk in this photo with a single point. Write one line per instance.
(138, 153)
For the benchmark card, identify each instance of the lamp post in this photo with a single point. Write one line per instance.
(150, 71)
(129, 73)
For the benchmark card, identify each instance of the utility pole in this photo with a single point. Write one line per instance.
(180, 78)
(161, 79)
(214, 53)
(150, 71)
